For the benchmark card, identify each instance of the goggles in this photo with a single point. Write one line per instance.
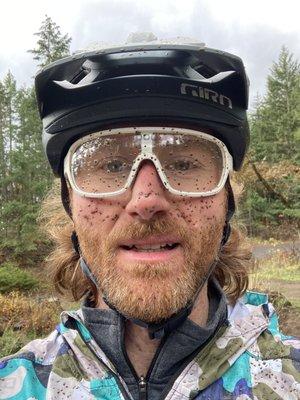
(188, 162)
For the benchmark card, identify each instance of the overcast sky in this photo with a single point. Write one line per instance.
(255, 30)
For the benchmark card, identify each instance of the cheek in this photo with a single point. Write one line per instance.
(92, 212)
(198, 212)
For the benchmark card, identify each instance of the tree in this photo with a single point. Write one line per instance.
(276, 120)
(284, 100)
(25, 175)
(271, 173)
(51, 45)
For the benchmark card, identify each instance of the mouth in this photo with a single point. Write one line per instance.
(151, 249)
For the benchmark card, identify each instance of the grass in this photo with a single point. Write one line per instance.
(280, 266)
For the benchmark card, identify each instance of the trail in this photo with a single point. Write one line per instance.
(265, 250)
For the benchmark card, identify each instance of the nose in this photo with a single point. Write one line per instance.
(148, 195)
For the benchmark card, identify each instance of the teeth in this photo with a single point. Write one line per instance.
(151, 247)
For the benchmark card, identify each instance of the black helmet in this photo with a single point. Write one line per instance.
(186, 85)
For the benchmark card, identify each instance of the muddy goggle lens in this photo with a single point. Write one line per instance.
(189, 163)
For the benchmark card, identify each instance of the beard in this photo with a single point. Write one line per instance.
(150, 291)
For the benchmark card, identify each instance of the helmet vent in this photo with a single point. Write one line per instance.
(204, 70)
(80, 75)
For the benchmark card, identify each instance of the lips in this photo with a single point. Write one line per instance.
(153, 247)
(151, 244)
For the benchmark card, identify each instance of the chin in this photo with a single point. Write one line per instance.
(152, 298)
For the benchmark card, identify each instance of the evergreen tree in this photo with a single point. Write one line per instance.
(25, 175)
(275, 122)
(8, 123)
(284, 100)
(10, 117)
(51, 45)
(271, 175)
(2, 158)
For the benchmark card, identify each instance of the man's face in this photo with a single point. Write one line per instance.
(148, 248)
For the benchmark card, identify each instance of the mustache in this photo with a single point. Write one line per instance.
(142, 230)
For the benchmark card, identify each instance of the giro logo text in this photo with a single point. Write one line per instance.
(204, 93)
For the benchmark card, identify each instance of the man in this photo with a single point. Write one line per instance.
(144, 139)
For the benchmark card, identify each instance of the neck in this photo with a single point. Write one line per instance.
(141, 349)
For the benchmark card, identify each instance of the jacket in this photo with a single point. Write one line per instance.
(248, 358)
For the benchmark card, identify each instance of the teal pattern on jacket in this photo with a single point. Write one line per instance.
(248, 359)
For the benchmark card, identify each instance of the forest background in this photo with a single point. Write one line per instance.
(269, 205)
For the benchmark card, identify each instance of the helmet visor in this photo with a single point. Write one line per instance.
(189, 163)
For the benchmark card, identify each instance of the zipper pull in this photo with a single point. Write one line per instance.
(142, 388)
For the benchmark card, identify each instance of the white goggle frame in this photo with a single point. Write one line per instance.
(147, 154)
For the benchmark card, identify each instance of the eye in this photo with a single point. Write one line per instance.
(182, 165)
(114, 165)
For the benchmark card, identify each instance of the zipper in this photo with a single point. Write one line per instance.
(141, 381)
(142, 388)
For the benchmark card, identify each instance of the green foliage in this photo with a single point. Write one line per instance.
(263, 212)
(271, 201)
(14, 278)
(24, 175)
(275, 123)
(51, 44)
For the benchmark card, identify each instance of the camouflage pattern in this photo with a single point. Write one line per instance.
(248, 359)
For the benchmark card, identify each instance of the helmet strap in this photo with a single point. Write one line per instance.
(65, 196)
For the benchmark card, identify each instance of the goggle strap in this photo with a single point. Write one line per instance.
(230, 212)
(231, 202)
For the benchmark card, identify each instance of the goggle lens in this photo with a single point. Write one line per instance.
(108, 163)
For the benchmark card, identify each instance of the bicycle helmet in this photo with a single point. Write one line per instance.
(177, 84)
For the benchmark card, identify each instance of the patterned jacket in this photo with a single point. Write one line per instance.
(247, 359)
